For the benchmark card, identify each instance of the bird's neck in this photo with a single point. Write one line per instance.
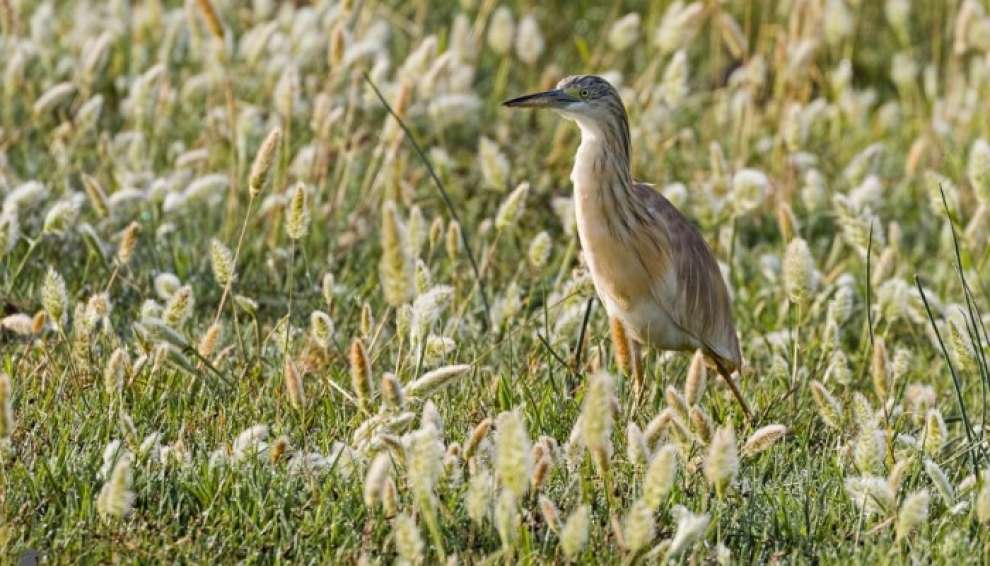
(602, 178)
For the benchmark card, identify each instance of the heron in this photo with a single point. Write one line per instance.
(652, 269)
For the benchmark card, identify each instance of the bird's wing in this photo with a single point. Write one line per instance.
(688, 281)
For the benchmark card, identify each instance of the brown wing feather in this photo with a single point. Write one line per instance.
(701, 306)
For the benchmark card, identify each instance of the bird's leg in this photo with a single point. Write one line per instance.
(621, 345)
(727, 376)
(637, 368)
(627, 355)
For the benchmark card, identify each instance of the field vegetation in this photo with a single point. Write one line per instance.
(283, 282)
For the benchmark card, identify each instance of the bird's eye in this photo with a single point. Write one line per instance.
(584, 93)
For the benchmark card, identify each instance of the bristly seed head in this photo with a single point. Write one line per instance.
(263, 162)
(513, 464)
(297, 223)
(360, 373)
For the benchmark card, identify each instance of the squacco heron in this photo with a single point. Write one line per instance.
(653, 271)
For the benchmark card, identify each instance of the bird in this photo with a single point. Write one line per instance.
(652, 269)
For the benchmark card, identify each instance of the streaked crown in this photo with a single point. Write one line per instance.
(588, 87)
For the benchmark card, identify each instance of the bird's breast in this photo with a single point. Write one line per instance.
(620, 277)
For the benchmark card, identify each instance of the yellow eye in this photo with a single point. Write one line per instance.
(584, 93)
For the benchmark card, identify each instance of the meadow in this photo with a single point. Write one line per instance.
(284, 282)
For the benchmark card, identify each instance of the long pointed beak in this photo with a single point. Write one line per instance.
(547, 99)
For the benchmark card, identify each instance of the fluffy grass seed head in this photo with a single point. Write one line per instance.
(211, 338)
(494, 164)
(799, 271)
(393, 394)
(935, 432)
(507, 306)
(431, 417)
(293, 384)
(539, 250)
(424, 456)
(829, 408)
(479, 433)
(367, 325)
(374, 481)
(38, 322)
(639, 527)
(507, 520)
(551, 515)
(870, 449)
(53, 297)
(636, 450)
(529, 41)
(426, 310)
(179, 307)
(116, 499)
(501, 30)
(679, 25)
(416, 230)
(658, 425)
(321, 329)
(960, 344)
(222, 261)
(263, 162)
(574, 535)
(722, 462)
(660, 476)
(914, 512)
(872, 495)
(677, 402)
(360, 373)
(624, 32)
(478, 498)
(435, 380)
(166, 284)
(512, 207)
(512, 445)
(879, 369)
(280, 447)
(691, 528)
(128, 241)
(542, 466)
(408, 542)
(97, 196)
(941, 482)
(733, 35)
(18, 323)
(53, 98)
(297, 221)
(596, 419)
(453, 241)
(397, 269)
(116, 371)
(211, 18)
(840, 307)
(749, 189)
(694, 385)
(763, 438)
(701, 424)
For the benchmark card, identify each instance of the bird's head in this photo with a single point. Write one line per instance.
(588, 99)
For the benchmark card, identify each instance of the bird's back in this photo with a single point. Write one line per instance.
(689, 284)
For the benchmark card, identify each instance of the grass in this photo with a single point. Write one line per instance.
(870, 347)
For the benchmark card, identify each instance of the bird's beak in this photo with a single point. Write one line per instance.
(547, 99)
